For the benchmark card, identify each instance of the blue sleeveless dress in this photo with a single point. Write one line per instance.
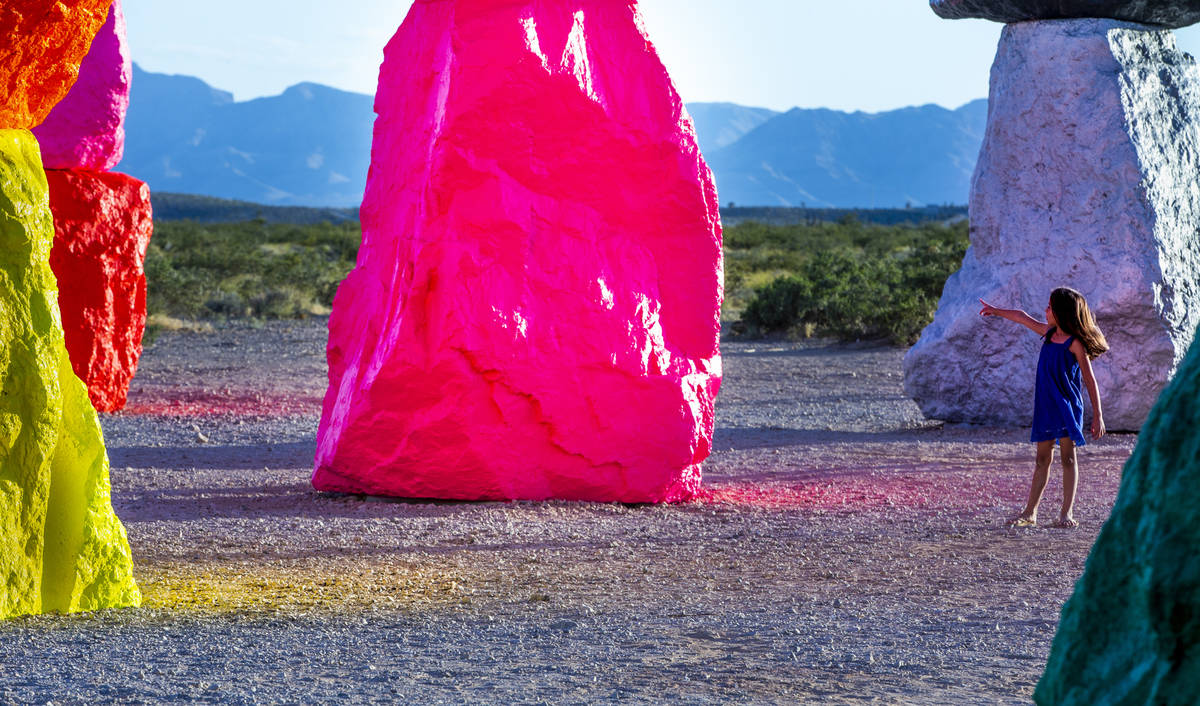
(1058, 394)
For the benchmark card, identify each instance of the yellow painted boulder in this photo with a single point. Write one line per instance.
(62, 549)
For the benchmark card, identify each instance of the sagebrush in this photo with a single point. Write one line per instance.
(849, 279)
(247, 270)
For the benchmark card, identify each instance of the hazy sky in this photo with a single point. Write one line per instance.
(881, 54)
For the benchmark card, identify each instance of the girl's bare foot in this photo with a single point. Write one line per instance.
(1023, 521)
(1067, 523)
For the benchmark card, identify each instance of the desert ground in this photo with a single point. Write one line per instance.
(846, 550)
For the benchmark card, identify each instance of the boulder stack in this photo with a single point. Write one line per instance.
(102, 220)
(534, 312)
(1087, 178)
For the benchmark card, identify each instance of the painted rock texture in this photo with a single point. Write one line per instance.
(87, 129)
(1162, 13)
(41, 48)
(61, 547)
(102, 227)
(1131, 632)
(1086, 180)
(534, 313)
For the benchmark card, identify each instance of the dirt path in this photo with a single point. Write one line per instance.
(847, 551)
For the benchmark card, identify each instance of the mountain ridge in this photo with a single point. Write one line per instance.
(311, 144)
(826, 158)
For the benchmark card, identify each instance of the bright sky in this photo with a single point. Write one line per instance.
(779, 54)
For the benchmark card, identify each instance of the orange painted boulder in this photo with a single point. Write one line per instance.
(41, 47)
(102, 227)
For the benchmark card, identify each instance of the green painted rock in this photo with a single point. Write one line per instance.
(1131, 632)
(62, 549)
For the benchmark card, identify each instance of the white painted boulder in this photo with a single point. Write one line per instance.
(1088, 178)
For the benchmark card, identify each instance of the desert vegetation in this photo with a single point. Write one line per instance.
(248, 270)
(848, 279)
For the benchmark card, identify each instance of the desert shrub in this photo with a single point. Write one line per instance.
(848, 280)
(282, 303)
(228, 304)
(247, 270)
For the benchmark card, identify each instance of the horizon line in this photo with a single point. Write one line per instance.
(777, 111)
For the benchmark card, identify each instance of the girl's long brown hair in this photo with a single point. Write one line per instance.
(1075, 318)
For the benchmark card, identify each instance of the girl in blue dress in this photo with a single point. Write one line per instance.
(1070, 340)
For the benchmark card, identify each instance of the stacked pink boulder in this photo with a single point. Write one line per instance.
(87, 129)
(535, 309)
(102, 221)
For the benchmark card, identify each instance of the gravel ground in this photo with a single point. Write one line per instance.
(846, 551)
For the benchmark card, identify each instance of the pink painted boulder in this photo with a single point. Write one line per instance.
(535, 309)
(87, 129)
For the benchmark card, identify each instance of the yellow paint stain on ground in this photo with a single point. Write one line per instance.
(295, 587)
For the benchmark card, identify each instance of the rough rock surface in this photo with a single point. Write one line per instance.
(1163, 13)
(1087, 180)
(41, 48)
(61, 547)
(1131, 632)
(87, 129)
(102, 227)
(534, 312)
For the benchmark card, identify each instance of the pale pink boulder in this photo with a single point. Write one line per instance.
(535, 309)
(86, 130)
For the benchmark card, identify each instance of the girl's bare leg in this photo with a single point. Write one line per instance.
(1041, 473)
(1070, 482)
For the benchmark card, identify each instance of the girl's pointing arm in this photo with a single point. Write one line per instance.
(1016, 316)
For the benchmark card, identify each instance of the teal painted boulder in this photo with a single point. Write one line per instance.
(1131, 632)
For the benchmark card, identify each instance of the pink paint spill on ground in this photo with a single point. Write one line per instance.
(857, 480)
(208, 403)
(825, 495)
(86, 130)
(861, 491)
(535, 309)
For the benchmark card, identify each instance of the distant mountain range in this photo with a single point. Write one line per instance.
(311, 146)
(823, 158)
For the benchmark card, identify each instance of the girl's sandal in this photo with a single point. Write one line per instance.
(1022, 522)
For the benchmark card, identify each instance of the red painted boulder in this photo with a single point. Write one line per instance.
(87, 129)
(535, 309)
(42, 43)
(102, 227)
